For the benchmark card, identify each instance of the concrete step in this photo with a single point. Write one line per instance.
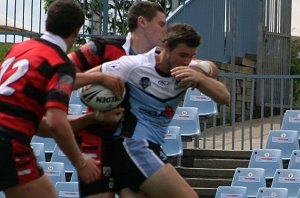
(207, 182)
(187, 172)
(220, 163)
(206, 192)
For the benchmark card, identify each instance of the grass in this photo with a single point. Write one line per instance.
(4, 47)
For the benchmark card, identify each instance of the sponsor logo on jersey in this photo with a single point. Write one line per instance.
(163, 83)
(145, 82)
(168, 112)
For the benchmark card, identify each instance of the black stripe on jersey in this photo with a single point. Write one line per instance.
(33, 93)
(83, 60)
(130, 120)
(57, 95)
(45, 70)
(19, 112)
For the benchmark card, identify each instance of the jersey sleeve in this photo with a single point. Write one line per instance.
(60, 87)
(121, 67)
(88, 55)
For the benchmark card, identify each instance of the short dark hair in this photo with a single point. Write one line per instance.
(178, 33)
(147, 9)
(63, 17)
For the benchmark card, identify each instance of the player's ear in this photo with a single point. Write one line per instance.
(141, 21)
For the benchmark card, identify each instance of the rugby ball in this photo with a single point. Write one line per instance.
(99, 97)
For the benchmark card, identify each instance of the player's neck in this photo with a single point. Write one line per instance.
(139, 44)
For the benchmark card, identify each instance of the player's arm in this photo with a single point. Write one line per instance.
(195, 78)
(60, 128)
(79, 122)
(207, 67)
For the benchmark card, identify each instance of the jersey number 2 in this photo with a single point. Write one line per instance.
(22, 67)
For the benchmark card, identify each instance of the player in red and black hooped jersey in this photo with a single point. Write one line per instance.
(36, 79)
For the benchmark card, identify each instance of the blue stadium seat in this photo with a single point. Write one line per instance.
(291, 121)
(74, 176)
(75, 99)
(188, 121)
(39, 151)
(265, 192)
(287, 178)
(67, 189)
(49, 143)
(286, 140)
(269, 159)
(252, 178)
(231, 191)
(206, 106)
(172, 146)
(54, 170)
(59, 156)
(294, 162)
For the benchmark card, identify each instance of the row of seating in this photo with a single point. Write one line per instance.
(241, 192)
(63, 189)
(267, 164)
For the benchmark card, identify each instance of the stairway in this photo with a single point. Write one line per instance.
(205, 170)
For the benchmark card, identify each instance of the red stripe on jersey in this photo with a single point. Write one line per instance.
(113, 52)
(53, 104)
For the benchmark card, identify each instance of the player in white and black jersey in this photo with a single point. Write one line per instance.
(155, 85)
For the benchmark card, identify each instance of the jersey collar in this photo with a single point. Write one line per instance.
(127, 44)
(57, 40)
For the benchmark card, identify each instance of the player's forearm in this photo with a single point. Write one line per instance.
(64, 137)
(83, 79)
(214, 89)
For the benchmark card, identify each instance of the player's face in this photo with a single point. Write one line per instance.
(181, 55)
(155, 28)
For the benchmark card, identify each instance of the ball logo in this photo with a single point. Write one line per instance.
(106, 99)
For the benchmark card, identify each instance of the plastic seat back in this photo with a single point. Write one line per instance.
(206, 106)
(231, 191)
(173, 144)
(187, 119)
(291, 121)
(269, 159)
(294, 162)
(67, 189)
(54, 170)
(39, 151)
(265, 192)
(252, 178)
(59, 156)
(286, 140)
(287, 178)
(49, 143)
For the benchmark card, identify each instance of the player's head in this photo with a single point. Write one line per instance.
(178, 33)
(148, 19)
(64, 17)
(180, 44)
(146, 9)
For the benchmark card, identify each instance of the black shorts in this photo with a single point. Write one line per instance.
(18, 164)
(134, 161)
(98, 148)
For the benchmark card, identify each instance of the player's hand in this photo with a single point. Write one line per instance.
(110, 117)
(90, 171)
(187, 76)
(115, 83)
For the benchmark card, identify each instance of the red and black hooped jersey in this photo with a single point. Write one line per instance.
(97, 51)
(35, 75)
